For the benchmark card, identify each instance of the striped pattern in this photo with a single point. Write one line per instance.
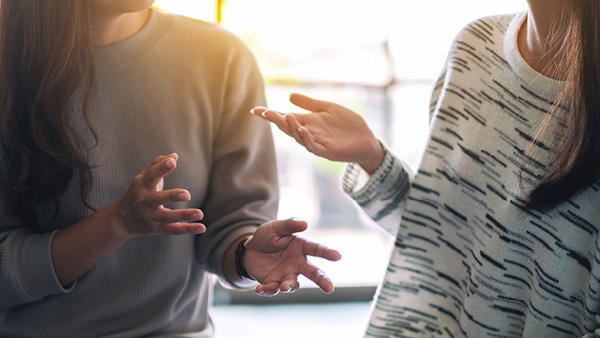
(469, 259)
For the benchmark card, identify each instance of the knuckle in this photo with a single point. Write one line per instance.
(152, 199)
(163, 218)
(147, 178)
(139, 178)
(315, 275)
(320, 250)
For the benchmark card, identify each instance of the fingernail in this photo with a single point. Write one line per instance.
(252, 111)
(169, 164)
(182, 196)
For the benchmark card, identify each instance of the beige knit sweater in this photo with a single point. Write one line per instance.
(179, 85)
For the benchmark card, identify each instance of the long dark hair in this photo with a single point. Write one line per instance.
(45, 59)
(577, 161)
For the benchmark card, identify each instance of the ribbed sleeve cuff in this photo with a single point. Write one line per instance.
(383, 191)
(34, 270)
(354, 177)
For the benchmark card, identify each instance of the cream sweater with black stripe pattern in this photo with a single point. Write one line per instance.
(469, 259)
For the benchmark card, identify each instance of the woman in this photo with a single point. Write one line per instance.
(498, 234)
(93, 241)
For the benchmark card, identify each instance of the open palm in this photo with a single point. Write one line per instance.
(275, 257)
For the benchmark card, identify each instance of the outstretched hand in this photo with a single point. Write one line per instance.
(330, 131)
(142, 212)
(275, 257)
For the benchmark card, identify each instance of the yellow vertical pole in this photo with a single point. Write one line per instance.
(219, 11)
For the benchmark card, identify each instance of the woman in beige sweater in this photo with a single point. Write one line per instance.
(121, 128)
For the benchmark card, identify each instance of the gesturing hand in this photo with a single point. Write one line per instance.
(330, 131)
(141, 211)
(275, 257)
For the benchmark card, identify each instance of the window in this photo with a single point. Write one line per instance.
(377, 57)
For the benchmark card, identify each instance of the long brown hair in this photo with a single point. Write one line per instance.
(577, 161)
(46, 58)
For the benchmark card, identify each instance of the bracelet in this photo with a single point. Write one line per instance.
(239, 259)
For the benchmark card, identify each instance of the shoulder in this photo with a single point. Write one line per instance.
(488, 29)
(497, 23)
(480, 44)
(196, 33)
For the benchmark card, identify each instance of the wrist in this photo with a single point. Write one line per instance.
(240, 255)
(117, 223)
(371, 164)
(230, 265)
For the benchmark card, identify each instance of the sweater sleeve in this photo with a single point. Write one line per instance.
(382, 196)
(243, 187)
(26, 270)
(436, 93)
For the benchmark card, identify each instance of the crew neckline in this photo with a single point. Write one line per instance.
(134, 46)
(518, 63)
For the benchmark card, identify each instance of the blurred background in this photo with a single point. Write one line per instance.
(377, 57)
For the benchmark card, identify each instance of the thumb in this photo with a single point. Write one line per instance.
(289, 226)
(308, 103)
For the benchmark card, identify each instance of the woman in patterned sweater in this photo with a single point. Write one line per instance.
(497, 233)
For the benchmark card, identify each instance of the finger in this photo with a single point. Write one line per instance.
(168, 196)
(294, 128)
(161, 217)
(290, 285)
(289, 226)
(168, 216)
(266, 113)
(267, 290)
(158, 171)
(309, 142)
(308, 103)
(184, 228)
(302, 135)
(258, 110)
(318, 277)
(319, 250)
(278, 119)
(292, 121)
(156, 160)
(162, 157)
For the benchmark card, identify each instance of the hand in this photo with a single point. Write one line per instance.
(141, 211)
(275, 257)
(329, 131)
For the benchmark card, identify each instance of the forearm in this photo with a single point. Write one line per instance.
(38, 265)
(76, 249)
